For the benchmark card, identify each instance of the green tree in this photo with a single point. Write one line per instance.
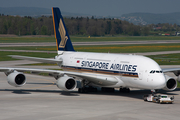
(44, 30)
(145, 31)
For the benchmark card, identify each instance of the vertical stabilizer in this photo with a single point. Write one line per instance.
(63, 41)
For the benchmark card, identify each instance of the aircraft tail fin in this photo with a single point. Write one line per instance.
(63, 41)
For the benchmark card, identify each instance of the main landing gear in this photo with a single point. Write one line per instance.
(86, 88)
(124, 90)
(104, 89)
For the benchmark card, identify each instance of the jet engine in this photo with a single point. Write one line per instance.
(16, 79)
(171, 83)
(178, 79)
(66, 83)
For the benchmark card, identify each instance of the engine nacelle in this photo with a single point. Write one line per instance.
(66, 83)
(171, 83)
(178, 79)
(16, 79)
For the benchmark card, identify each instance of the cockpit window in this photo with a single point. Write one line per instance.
(156, 71)
(152, 71)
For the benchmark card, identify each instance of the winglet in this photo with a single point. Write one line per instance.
(63, 41)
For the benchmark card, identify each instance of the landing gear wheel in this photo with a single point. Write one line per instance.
(128, 90)
(92, 89)
(83, 90)
(79, 90)
(87, 89)
(103, 89)
(124, 90)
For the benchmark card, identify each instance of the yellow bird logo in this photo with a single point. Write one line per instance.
(62, 32)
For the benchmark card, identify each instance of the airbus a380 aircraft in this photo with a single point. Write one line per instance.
(104, 70)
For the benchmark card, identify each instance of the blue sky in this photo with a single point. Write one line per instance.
(100, 7)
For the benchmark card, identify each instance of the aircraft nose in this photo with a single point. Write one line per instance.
(160, 82)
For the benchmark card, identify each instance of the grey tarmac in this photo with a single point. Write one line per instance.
(40, 99)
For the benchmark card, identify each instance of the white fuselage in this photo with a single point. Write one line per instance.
(130, 70)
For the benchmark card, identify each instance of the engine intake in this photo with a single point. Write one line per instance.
(171, 83)
(16, 79)
(66, 83)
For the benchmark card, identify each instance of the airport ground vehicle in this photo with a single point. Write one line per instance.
(158, 98)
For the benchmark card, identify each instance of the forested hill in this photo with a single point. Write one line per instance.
(76, 26)
(80, 26)
(150, 18)
(135, 18)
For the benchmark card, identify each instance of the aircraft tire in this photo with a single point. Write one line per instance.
(83, 90)
(124, 90)
(103, 89)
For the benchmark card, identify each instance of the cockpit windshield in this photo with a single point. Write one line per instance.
(156, 71)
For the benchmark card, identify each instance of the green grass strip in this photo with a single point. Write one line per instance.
(109, 48)
(25, 39)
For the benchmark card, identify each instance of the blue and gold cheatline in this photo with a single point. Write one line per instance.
(101, 71)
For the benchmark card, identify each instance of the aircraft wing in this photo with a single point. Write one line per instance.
(176, 71)
(44, 60)
(32, 70)
(96, 79)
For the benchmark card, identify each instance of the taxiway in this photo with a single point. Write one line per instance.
(40, 99)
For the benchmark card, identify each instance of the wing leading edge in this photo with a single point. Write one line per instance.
(43, 60)
(176, 71)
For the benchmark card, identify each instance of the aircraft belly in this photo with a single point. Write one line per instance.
(100, 80)
(131, 82)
